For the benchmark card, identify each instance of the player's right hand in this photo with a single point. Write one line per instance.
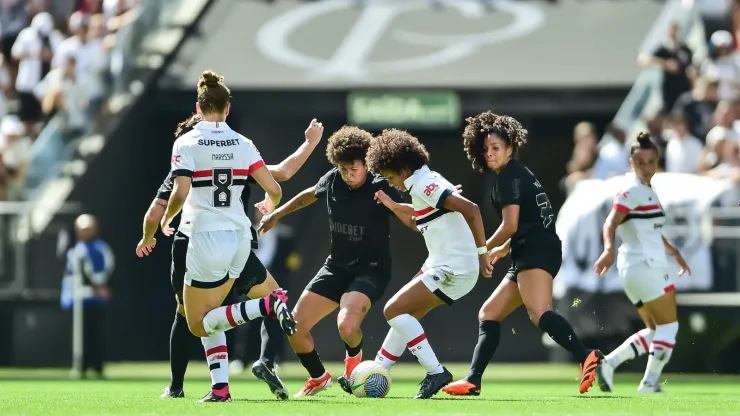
(486, 265)
(314, 132)
(604, 263)
(266, 224)
(145, 247)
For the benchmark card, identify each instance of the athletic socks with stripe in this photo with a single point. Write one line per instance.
(228, 317)
(416, 341)
(633, 347)
(217, 357)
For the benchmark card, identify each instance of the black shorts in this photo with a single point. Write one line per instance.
(536, 252)
(254, 272)
(332, 282)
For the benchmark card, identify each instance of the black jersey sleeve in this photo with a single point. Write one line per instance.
(381, 184)
(510, 189)
(165, 190)
(322, 186)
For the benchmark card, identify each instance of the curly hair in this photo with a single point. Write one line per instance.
(187, 125)
(348, 144)
(395, 150)
(478, 128)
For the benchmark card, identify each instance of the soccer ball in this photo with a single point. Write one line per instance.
(370, 379)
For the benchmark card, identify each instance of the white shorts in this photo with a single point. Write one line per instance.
(447, 286)
(643, 283)
(215, 256)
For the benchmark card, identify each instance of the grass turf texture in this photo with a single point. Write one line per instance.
(544, 389)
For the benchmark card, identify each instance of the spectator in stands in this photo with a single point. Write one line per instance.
(6, 86)
(729, 161)
(724, 65)
(13, 18)
(675, 59)
(656, 128)
(724, 119)
(16, 152)
(683, 151)
(67, 90)
(613, 159)
(34, 48)
(697, 106)
(584, 155)
(91, 7)
(91, 261)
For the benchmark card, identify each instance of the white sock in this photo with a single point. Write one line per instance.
(392, 349)
(416, 341)
(633, 347)
(217, 357)
(660, 351)
(227, 317)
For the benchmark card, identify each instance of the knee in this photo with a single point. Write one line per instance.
(535, 312)
(390, 310)
(197, 329)
(666, 332)
(348, 326)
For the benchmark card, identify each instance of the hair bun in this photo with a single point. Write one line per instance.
(644, 137)
(209, 79)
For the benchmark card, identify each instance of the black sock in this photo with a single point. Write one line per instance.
(489, 334)
(180, 341)
(312, 363)
(353, 351)
(272, 341)
(561, 332)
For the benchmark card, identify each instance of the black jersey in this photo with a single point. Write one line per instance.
(360, 230)
(517, 185)
(165, 190)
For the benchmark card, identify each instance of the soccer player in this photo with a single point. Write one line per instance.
(215, 162)
(255, 280)
(358, 269)
(638, 217)
(452, 228)
(527, 228)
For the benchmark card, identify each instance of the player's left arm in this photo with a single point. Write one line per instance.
(153, 216)
(510, 193)
(453, 201)
(404, 212)
(183, 166)
(293, 163)
(673, 251)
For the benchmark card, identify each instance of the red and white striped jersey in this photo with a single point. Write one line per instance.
(641, 230)
(219, 160)
(448, 238)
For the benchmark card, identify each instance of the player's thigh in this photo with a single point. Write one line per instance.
(662, 310)
(428, 290)
(646, 318)
(207, 281)
(535, 288)
(651, 289)
(502, 302)
(320, 298)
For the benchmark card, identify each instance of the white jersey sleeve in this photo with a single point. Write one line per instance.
(626, 200)
(432, 190)
(183, 162)
(255, 158)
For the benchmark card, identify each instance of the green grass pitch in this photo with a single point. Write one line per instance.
(542, 389)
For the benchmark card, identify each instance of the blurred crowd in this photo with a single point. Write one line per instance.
(54, 59)
(698, 126)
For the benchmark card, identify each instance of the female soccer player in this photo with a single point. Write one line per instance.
(255, 280)
(358, 269)
(452, 228)
(527, 228)
(211, 163)
(638, 217)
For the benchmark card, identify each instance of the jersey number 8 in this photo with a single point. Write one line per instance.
(223, 178)
(545, 209)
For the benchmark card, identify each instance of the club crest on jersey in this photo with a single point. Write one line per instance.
(175, 158)
(623, 194)
(223, 178)
(430, 189)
